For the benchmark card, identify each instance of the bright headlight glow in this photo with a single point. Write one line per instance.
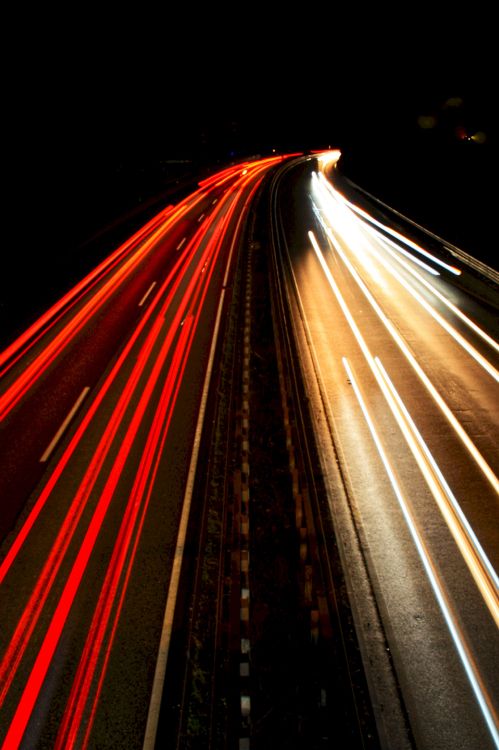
(400, 237)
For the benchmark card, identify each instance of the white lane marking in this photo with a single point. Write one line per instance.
(460, 643)
(215, 201)
(201, 218)
(64, 425)
(181, 243)
(164, 645)
(146, 295)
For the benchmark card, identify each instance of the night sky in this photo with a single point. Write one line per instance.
(98, 110)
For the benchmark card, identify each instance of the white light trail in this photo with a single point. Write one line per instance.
(477, 561)
(469, 348)
(462, 648)
(397, 248)
(338, 196)
(384, 242)
(475, 558)
(470, 323)
(462, 434)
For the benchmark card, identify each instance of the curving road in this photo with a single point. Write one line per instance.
(100, 403)
(398, 342)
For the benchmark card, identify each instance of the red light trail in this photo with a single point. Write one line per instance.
(145, 378)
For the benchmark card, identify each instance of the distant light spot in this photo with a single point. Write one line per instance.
(454, 101)
(427, 122)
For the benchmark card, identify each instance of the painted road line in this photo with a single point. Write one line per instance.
(64, 425)
(146, 295)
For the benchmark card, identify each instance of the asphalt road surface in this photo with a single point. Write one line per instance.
(406, 365)
(100, 403)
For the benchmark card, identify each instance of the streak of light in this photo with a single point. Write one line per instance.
(351, 235)
(338, 196)
(28, 524)
(164, 646)
(38, 597)
(470, 323)
(424, 282)
(458, 638)
(123, 556)
(140, 495)
(139, 245)
(398, 249)
(58, 620)
(42, 588)
(33, 371)
(469, 348)
(51, 639)
(74, 713)
(477, 561)
(328, 158)
(462, 434)
(26, 625)
(42, 499)
(480, 568)
(220, 177)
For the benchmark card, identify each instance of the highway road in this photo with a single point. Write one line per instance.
(101, 403)
(398, 342)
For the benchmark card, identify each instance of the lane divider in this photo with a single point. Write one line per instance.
(62, 429)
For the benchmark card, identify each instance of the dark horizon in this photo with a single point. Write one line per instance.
(102, 122)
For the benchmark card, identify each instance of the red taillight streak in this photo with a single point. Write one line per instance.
(43, 325)
(13, 394)
(32, 611)
(145, 479)
(229, 172)
(188, 251)
(128, 533)
(50, 642)
(46, 652)
(68, 300)
(23, 533)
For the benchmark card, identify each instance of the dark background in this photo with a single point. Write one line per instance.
(107, 115)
